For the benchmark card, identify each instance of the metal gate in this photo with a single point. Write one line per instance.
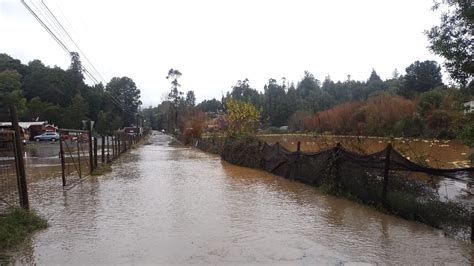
(75, 155)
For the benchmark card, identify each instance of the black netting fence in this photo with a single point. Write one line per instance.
(384, 179)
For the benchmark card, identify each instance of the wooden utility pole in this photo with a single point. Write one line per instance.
(21, 173)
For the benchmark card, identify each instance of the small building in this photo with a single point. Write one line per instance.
(50, 128)
(469, 107)
(132, 130)
(31, 129)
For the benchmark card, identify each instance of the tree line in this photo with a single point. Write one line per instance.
(61, 97)
(414, 104)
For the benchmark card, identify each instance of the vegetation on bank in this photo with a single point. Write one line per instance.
(17, 224)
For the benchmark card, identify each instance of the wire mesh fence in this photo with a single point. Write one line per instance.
(83, 154)
(9, 193)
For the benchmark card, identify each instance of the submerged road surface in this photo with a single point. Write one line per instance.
(169, 205)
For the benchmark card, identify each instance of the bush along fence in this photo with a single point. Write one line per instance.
(385, 179)
(83, 155)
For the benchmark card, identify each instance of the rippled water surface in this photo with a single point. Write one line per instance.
(172, 205)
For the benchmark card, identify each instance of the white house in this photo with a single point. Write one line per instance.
(469, 107)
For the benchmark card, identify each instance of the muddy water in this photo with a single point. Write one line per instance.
(169, 205)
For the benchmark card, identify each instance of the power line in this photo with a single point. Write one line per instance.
(69, 36)
(65, 48)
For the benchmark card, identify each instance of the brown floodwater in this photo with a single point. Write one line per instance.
(173, 205)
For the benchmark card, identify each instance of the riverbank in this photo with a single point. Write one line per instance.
(409, 197)
(17, 224)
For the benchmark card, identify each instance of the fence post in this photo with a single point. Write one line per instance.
(108, 149)
(91, 158)
(61, 154)
(21, 174)
(79, 158)
(298, 158)
(472, 224)
(118, 145)
(102, 148)
(95, 153)
(337, 164)
(113, 146)
(386, 172)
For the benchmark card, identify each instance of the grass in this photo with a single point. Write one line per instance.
(17, 224)
(102, 169)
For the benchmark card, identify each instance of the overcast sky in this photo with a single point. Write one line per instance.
(216, 43)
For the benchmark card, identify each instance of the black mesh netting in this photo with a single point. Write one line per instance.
(412, 190)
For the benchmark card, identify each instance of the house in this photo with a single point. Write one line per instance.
(51, 128)
(132, 130)
(469, 107)
(31, 129)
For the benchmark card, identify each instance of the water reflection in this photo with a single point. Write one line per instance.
(173, 205)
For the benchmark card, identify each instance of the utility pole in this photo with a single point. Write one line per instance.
(21, 173)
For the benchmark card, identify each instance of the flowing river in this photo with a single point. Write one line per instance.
(172, 205)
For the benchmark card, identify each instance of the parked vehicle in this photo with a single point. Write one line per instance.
(51, 136)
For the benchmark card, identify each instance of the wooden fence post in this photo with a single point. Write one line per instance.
(113, 146)
(79, 158)
(337, 164)
(102, 148)
(61, 154)
(21, 173)
(118, 144)
(95, 153)
(472, 224)
(108, 149)
(386, 172)
(298, 158)
(89, 138)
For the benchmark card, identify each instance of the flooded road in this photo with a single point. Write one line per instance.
(172, 205)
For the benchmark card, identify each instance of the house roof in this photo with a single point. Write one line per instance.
(24, 124)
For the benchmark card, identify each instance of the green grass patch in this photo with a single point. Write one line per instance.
(16, 224)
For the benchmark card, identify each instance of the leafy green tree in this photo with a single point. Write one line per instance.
(9, 63)
(37, 109)
(421, 77)
(10, 93)
(242, 118)
(107, 123)
(75, 113)
(175, 97)
(453, 38)
(125, 91)
(276, 109)
(430, 101)
(243, 92)
(374, 84)
(210, 105)
(190, 99)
